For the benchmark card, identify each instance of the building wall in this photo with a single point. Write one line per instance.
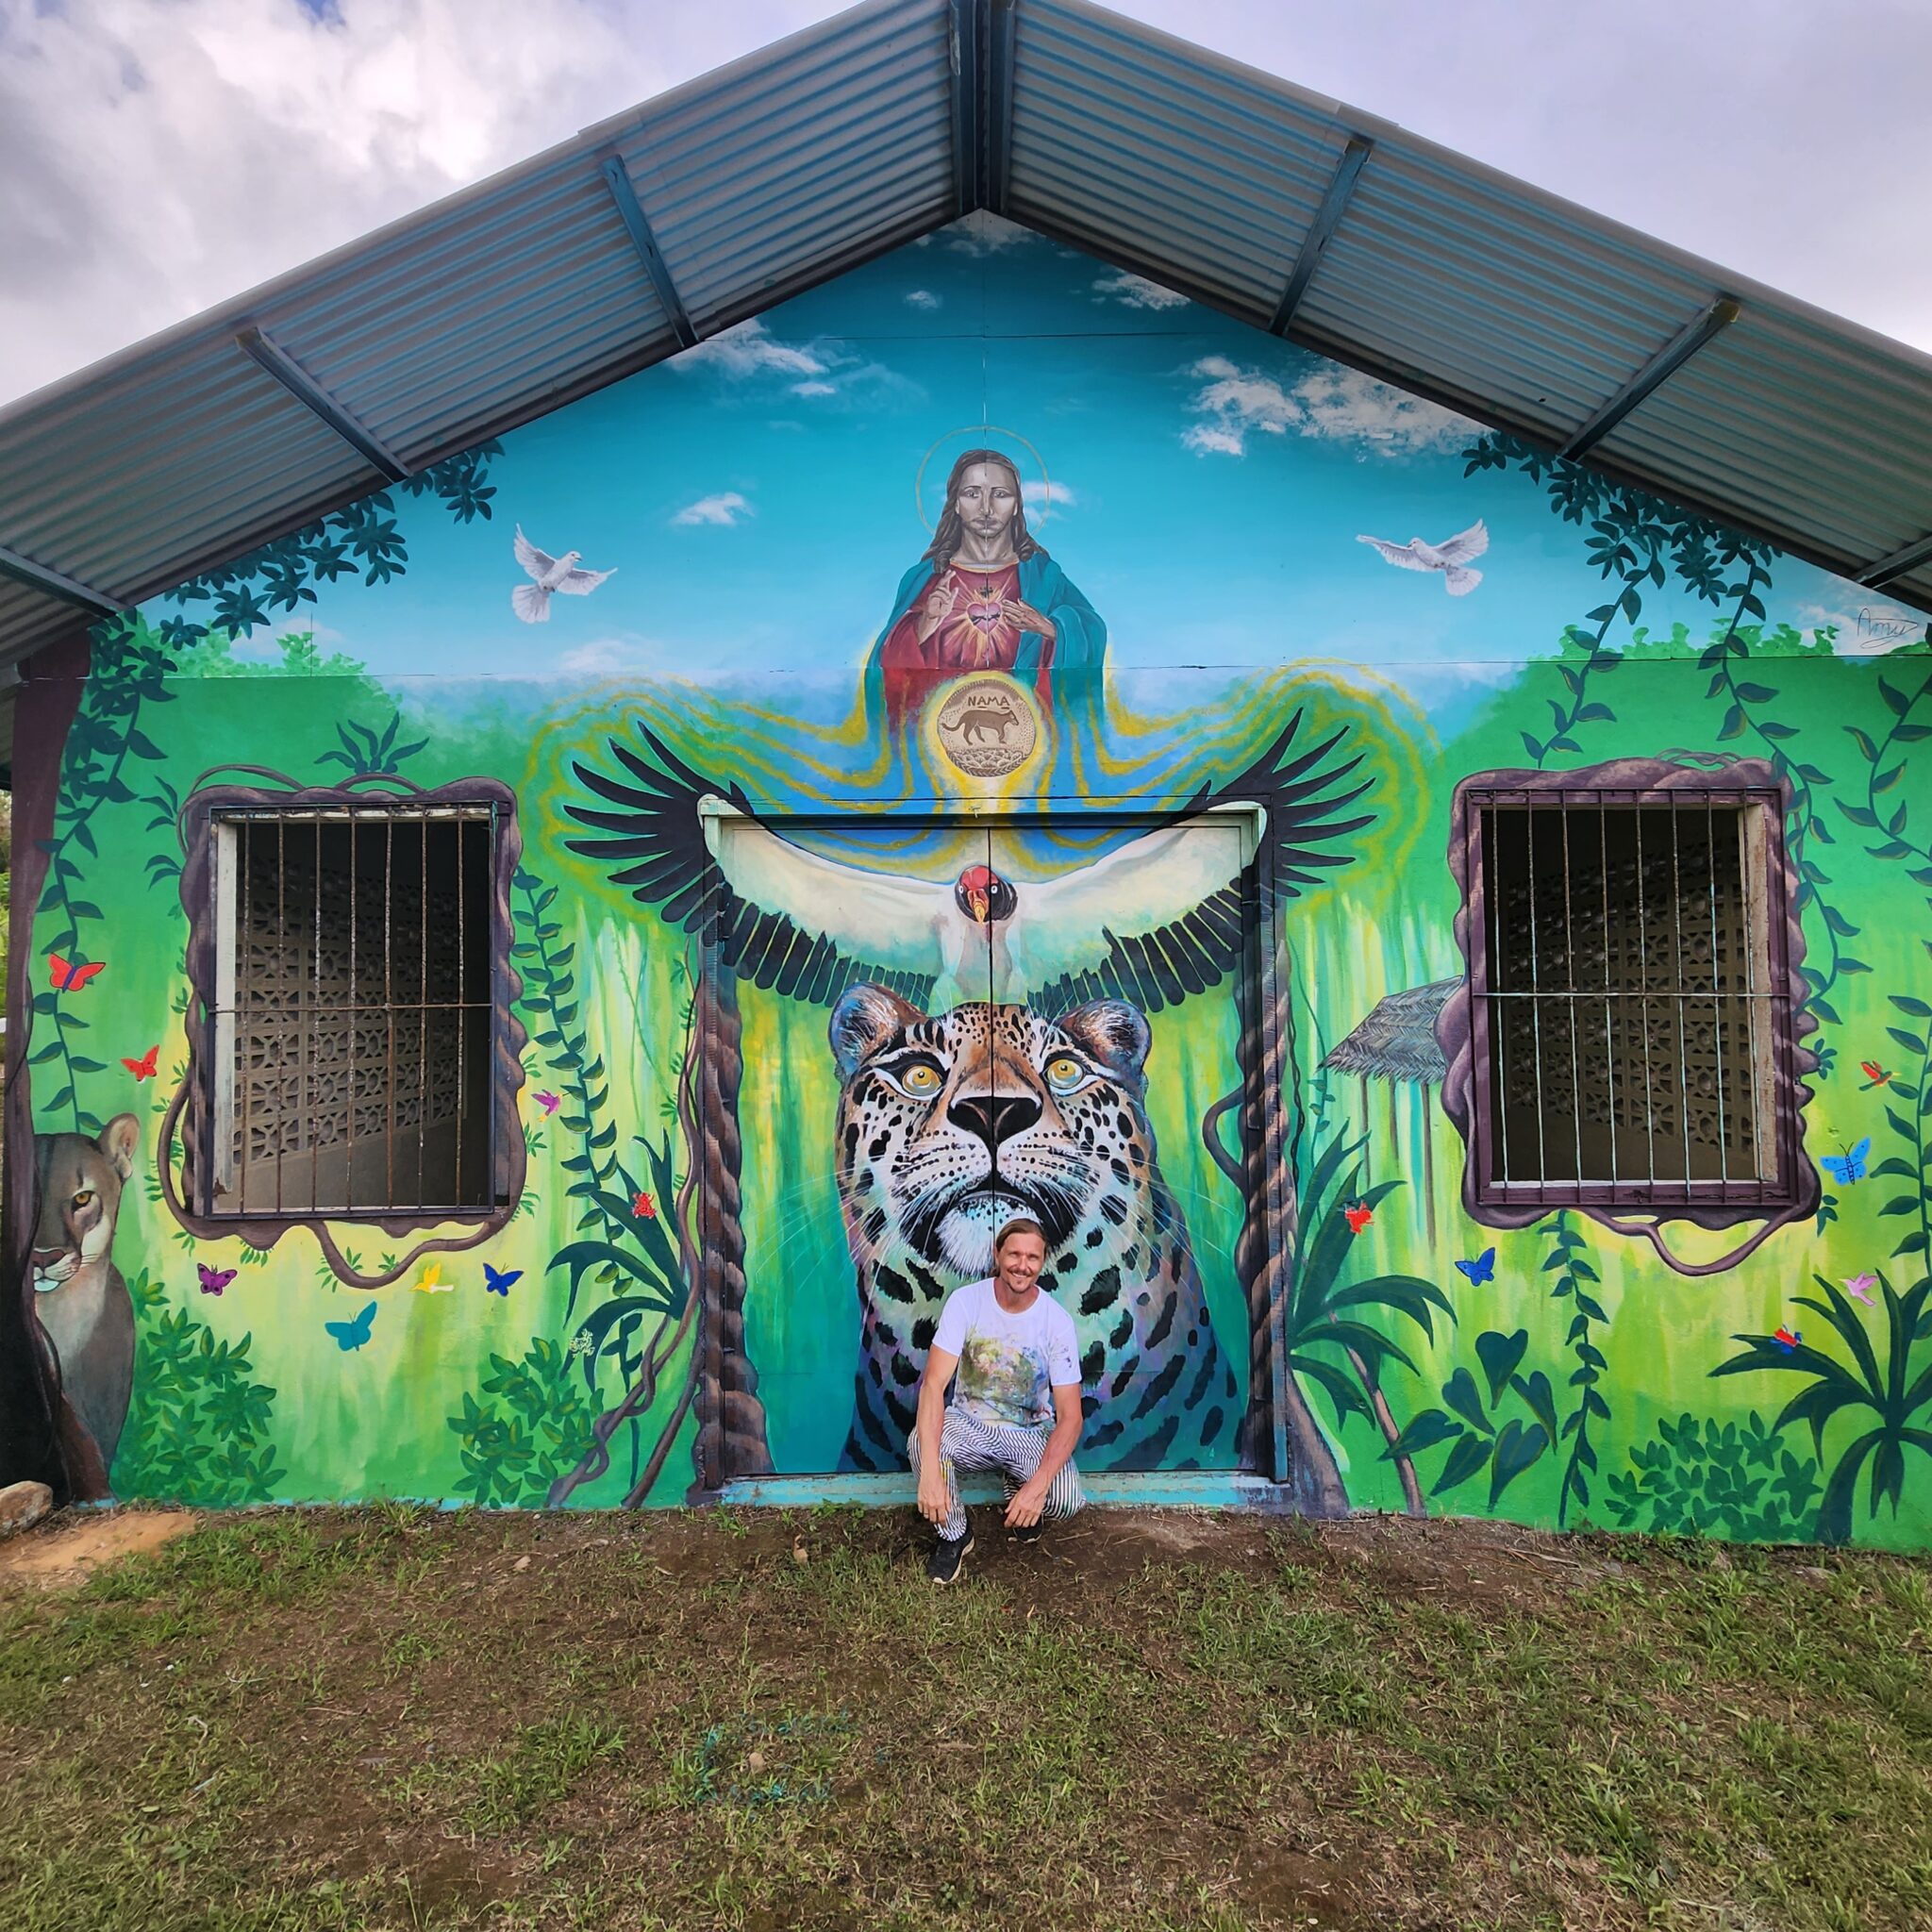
(1206, 495)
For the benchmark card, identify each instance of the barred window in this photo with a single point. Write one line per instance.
(356, 980)
(1630, 994)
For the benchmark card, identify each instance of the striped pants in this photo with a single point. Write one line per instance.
(1015, 1452)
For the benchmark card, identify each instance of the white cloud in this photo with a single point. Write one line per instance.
(1330, 402)
(815, 388)
(1866, 631)
(1044, 493)
(922, 299)
(725, 509)
(981, 233)
(1137, 291)
(749, 349)
(608, 657)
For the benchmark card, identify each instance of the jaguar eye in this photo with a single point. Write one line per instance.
(1064, 1073)
(81, 1199)
(921, 1077)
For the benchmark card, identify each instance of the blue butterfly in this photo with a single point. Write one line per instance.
(497, 1280)
(354, 1334)
(1846, 1167)
(1482, 1269)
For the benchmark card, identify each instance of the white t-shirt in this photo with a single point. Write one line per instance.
(1009, 1364)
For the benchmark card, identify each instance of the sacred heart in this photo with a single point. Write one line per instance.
(985, 615)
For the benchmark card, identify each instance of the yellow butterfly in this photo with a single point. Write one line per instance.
(431, 1282)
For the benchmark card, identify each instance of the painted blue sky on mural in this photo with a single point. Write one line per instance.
(756, 499)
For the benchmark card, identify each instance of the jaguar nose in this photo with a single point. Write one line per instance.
(994, 1117)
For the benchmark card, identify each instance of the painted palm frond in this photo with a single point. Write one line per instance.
(1887, 1388)
(1397, 1040)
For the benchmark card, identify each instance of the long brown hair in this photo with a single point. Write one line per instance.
(945, 539)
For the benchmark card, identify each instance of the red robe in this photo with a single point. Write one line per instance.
(976, 636)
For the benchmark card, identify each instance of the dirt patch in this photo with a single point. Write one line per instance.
(69, 1547)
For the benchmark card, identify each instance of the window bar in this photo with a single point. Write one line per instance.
(1643, 1012)
(1603, 855)
(1572, 989)
(311, 1035)
(1681, 979)
(1536, 1005)
(463, 1027)
(247, 1000)
(1717, 1008)
(281, 988)
(1492, 954)
(355, 1008)
(421, 1009)
(389, 1004)
(1748, 916)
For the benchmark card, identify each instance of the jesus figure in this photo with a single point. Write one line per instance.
(984, 597)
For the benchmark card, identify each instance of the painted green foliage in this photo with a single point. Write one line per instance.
(1559, 1374)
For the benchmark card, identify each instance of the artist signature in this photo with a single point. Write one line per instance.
(1884, 624)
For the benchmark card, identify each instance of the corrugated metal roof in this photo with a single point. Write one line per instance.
(800, 161)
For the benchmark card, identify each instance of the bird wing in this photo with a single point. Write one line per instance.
(1185, 939)
(782, 917)
(534, 561)
(1400, 554)
(1465, 544)
(580, 582)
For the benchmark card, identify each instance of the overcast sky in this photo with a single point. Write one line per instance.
(160, 156)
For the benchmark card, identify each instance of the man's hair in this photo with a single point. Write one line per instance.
(1019, 1224)
(946, 538)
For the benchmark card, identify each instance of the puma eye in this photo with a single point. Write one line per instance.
(921, 1077)
(81, 1199)
(1065, 1074)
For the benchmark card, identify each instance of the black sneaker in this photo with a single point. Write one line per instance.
(1029, 1535)
(948, 1557)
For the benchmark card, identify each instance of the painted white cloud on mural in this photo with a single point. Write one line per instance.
(748, 349)
(922, 299)
(1336, 403)
(1866, 630)
(608, 657)
(1137, 291)
(1045, 493)
(727, 510)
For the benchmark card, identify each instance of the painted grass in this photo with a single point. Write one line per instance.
(378, 1718)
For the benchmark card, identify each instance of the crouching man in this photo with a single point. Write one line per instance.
(1017, 1408)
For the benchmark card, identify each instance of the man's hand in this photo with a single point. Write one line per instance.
(938, 607)
(1024, 617)
(1029, 1499)
(933, 1505)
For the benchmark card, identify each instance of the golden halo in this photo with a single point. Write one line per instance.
(987, 435)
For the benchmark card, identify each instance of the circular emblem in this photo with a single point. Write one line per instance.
(987, 727)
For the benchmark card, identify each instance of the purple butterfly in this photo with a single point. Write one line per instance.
(214, 1280)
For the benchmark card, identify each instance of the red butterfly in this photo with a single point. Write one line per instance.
(1358, 1218)
(69, 978)
(643, 1208)
(142, 1069)
(1873, 1073)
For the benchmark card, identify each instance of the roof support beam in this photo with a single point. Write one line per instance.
(23, 570)
(997, 78)
(1321, 229)
(1654, 373)
(631, 213)
(313, 397)
(1897, 564)
(963, 37)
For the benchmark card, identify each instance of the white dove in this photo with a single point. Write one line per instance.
(531, 601)
(1450, 557)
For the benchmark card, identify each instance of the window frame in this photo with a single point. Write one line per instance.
(1747, 784)
(202, 902)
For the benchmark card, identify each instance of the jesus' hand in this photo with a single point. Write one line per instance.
(938, 607)
(1024, 617)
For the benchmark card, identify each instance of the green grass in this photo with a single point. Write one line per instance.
(376, 1719)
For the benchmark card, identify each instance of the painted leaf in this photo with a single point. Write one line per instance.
(1500, 1356)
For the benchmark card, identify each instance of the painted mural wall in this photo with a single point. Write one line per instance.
(980, 739)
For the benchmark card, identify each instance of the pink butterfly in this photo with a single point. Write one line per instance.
(1861, 1286)
(214, 1280)
(548, 1102)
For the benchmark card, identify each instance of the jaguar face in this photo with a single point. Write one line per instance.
(951, 1123)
